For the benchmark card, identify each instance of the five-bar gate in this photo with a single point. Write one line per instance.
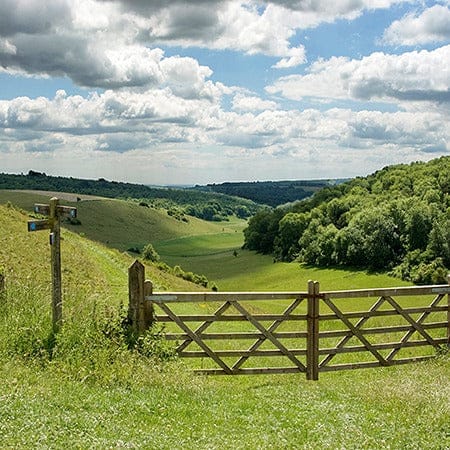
(234, 333)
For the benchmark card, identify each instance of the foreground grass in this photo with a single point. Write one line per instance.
(399, 408)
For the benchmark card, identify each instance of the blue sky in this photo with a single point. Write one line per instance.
(176, 92)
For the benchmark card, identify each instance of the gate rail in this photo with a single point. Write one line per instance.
(320, 321)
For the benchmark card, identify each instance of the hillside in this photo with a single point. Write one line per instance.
(87, 266)
(272, 193)
(123, 224)
(397, 219)
(205, 205)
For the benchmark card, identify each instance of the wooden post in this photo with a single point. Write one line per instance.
(312, 344)
(140, 311)
(148, 305)
(2, 284)
(55, 211)
(448, 314)
(55, 241)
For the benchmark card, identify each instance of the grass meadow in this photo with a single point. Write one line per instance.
(85, 388)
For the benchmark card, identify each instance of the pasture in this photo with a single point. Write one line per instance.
(85, 389)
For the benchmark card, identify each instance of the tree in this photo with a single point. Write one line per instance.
(290, 230)
(262, 230)
(150, 254)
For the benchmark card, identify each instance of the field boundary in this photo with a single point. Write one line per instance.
(309, 332)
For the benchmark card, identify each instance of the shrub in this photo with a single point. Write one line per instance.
(150, 254)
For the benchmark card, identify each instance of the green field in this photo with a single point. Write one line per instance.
(86, 389)
(117, 223)
(213, 255)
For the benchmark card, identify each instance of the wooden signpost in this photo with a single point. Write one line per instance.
(55, 211)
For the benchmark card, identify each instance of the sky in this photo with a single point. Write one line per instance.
(204, 91)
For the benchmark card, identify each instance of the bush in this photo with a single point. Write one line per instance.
(150, 254)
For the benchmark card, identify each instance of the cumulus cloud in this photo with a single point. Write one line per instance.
(113, 44)
(432, 25)
(251, 103)
(413, 76)
(156, 135)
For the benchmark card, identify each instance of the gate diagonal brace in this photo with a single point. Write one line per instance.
(357, 326)
(415, 324)
(268, 335)
(195, 338)
(203, 327)
(356, 332)
(271, 329)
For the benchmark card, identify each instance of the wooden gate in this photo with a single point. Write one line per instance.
(236, 333)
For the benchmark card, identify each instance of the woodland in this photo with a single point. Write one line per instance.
(397, 220)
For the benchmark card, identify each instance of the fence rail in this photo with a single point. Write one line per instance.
(310, 332)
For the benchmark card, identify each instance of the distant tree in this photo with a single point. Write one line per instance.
(150, 254)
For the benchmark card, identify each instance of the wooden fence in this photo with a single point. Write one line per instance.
(305, 332)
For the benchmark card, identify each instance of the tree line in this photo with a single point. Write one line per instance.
(197, 203)
(271, 193)
(397, 220)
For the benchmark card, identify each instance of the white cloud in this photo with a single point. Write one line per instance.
(432, 25)
(413, 76)
(106, 43)
(251, 103)
(152, 136)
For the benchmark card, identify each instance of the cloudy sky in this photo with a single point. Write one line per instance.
(185, 92)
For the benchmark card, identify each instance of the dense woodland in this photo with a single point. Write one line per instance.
(204, 205)
(397, 219)
(271, 193)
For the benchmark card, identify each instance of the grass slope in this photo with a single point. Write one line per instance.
(213, 255)
(92, 392)
(117, 223)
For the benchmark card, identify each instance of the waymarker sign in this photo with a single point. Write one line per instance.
(55, 212)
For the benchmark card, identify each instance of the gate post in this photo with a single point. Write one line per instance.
(312, 340)
(448, 314)
(140, 311)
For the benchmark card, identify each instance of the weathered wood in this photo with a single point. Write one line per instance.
(238, 335)
(356, 332)
(2, 283)
(448, 314)
(380, 330)
(55, 241)
(358, 326)
(410, 332)
(204, 326)
(312, 346)
(393, 292)
(136, 308)
(245, 353)
(384, 312)
(372, 364)
(414, 324)
(284, 317)
(264, 333)
(385, 346)
(205, 297)
(61, 210)
(55, 211)
(269, 335)
(196, 339)
(238, 317)
(148, 311)
(38, 225)
(251, 371)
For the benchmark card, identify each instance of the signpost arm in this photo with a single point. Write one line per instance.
(55, 241)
